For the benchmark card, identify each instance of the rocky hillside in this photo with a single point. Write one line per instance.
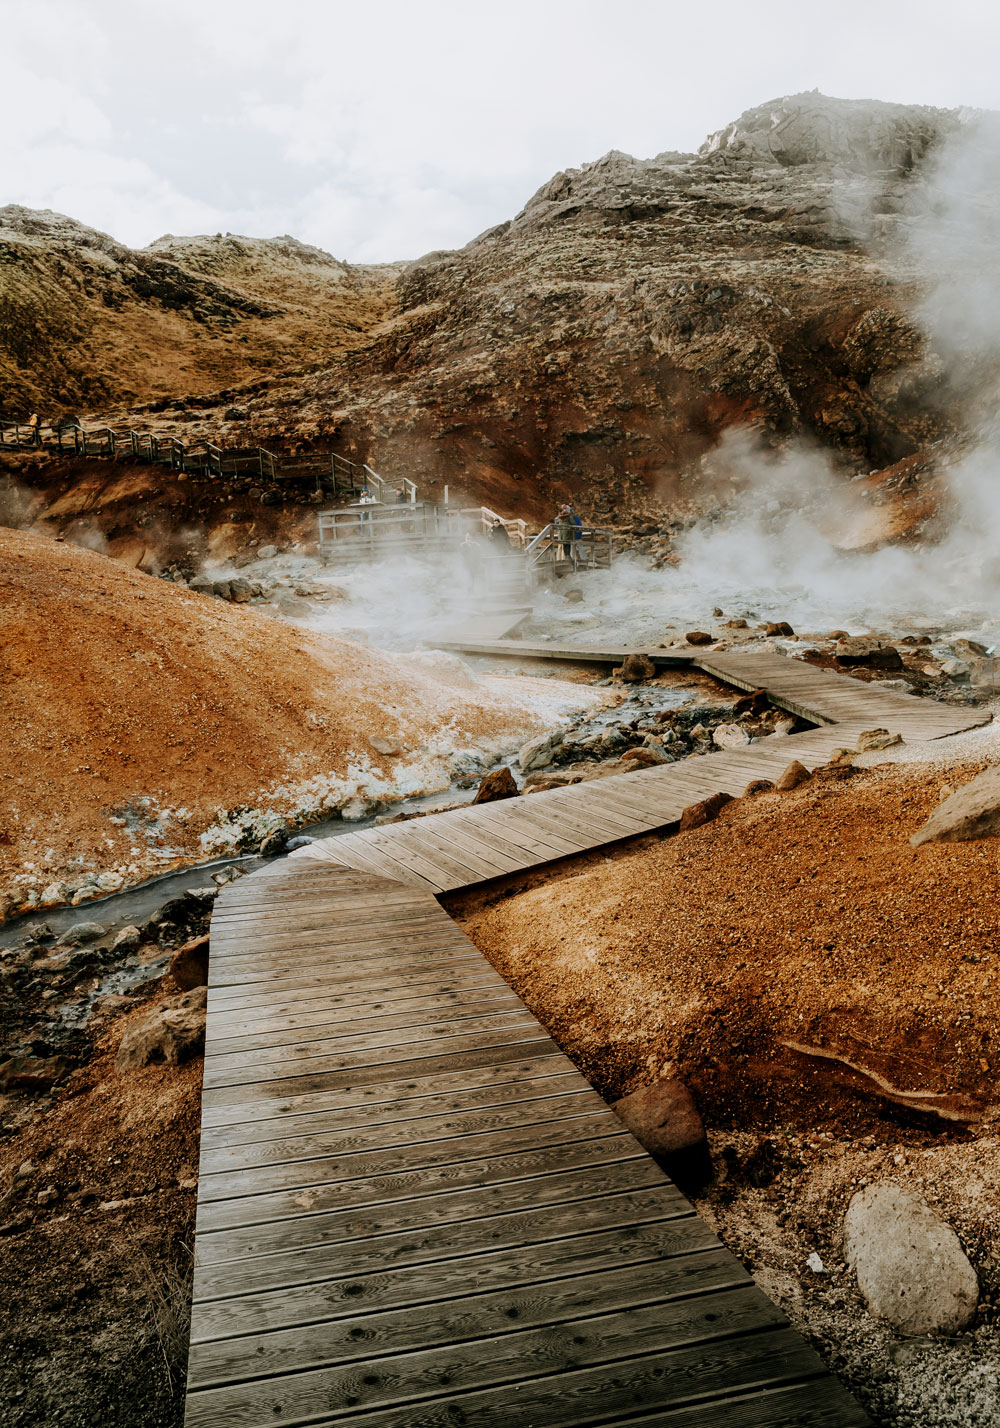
(604, 338)
(86, 322)
(600, 343)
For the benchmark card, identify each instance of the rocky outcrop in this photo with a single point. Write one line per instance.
(972, 812)
(173, 1032)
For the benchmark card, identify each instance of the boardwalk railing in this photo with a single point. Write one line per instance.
(588, 546)
(327, 470)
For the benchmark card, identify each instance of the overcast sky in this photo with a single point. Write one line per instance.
(384, 130)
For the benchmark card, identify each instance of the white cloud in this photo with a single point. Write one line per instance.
(384, 130)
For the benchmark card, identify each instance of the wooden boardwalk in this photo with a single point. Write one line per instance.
(413, 1211)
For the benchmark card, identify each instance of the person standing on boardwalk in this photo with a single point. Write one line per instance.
(366, 499)
(564, 532)
(576, 544)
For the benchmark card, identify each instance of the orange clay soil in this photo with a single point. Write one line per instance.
(802, 917)
(118, 687)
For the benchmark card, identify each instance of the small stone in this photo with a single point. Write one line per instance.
(758, 785)
(871, 740)
(189, 964)
(955, 668)
(737, 625)
(111, 882)
(814, 1263)
(648, 755)
(126, 939)
(537, 753)
(779, 628)
(665, 1121)
(704, 812)
(382, 745)
(730, 736)
(267, 552)
(574, 596)
(501, 783)
(794, 775)
(81, 932)
(699, 637)
(910, 1265)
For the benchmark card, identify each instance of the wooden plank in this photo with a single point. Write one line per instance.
(521, 1072)
(423, 1212)
(286, 1205)
(414, 1277)
(454, 1320)
(336, 1140)
(277, 1273)
(377, 1070)
(672, 1329)
(563, 1082)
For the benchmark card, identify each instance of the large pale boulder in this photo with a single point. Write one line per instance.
(910, 1265)
(972, 812)
(538, 752)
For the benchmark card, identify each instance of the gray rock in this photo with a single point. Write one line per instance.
(972, 812)
(275, 842)
(536, 753)
(173, 1032)
(240, 591)
(128, 937)
(81, 932)
(267, 552)
(910, 1265)
(730, 736)
(301, 841)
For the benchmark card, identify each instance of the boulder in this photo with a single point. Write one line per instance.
(240, 591)
(665, 1121)
(910, 1265)
(128, 938)
(971, 812)
(971, 649)
(704, 812)
(501, 783)
(758, 785)
(795, 774)
(267, 552)
(173, 1032)
(871, 740)
(536, 753)
(647, 755)
(955, 668)
(699, 637)
(81, 932)
(779, 627)
(635, 668)
(730, 736)
(32, 1073)
(189, 964)
(859, 650)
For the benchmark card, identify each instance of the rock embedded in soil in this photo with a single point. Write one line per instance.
(758, 785)
(496, 785)
(794, 775)
(173, 1032)
(704, 812)
(648, 755)
(275, 843)
(779, 627)
(81, 932)
(699, 637)
(665, 1121)
(635, 668)
(536, 753)
(189, 964)
(126, 939)
(873, 739)
(389, 747)
(970, 813)
(911, 1268)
